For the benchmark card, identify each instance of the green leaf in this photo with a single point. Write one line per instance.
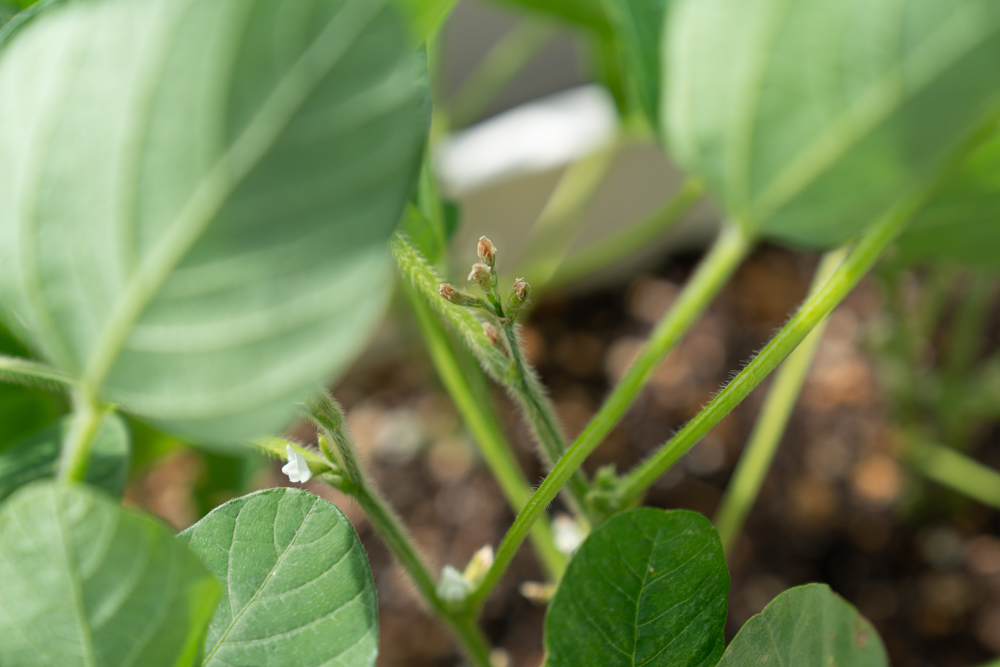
(7, 12)
(810, 119)
(648, 588)
(24, 411)
(14, 18)
(88, 583)
(298, 590)
(639, 25)
(962, 223)
(194, 211)
(38, 457)
(588, 14)
(808, 625)
(426, 16)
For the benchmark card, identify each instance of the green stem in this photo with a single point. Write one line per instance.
(328, 415)
(559, 222)
(499, 66)
(820, 304)
(17, 370)
(542, 419)
(75, 455)
(514, 375)
(741, 493)
(954, 470)
(587, 261)
(713, 272)
(471, 397)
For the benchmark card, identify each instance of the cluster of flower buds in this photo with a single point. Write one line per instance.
(483, 274)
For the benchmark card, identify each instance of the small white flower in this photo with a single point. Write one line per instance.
(567, 534)
(297, 469)
(453, 586)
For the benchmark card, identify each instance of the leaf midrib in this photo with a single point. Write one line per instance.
(253, 143)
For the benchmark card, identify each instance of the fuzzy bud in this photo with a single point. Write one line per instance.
(452, 586)
(517, 296)
(482, 276)
(459, 297)
(487, 251)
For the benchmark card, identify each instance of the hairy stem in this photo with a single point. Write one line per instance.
(471, 397)
(328, 416)
(817, 307)
(713, 272)
(741, 493)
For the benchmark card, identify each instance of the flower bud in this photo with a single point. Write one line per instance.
(482, 276)
(459, 297)
(537, 592)
(517, 296)
(479, 565)
(487, 251)
(453, 587)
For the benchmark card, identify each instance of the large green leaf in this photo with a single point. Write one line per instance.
(639, 25)
(88, 583)
(587, 14)
(298, 590)
(38, 457)
(195, 204)
(809, 119)
(648, 588)
(426, 16)
(808, 625)
(962, 223)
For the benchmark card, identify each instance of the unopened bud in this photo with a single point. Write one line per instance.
(481, 275)
(459, 297)
(453, 587)
(487, 251)
(492, 333)
(517, 296)
(479, 565)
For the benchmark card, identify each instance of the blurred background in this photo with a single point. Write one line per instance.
(535, 156)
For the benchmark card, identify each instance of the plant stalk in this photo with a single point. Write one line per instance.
(75, 455)
(389, 526)
(954, 470)
(743, 488)
(468, 391)
(817, 307)
(713, 272)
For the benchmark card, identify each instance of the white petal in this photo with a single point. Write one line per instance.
(297, 468)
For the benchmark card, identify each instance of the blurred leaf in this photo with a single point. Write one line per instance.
(648, 588)
(297, 588)
(587, 14)
(962, 223)
(209, 206)
(810, 119)
(88, 583)
(23, 410)
(808, 625)
(639, 25)
(38, 457)
(23, 15)
(426, 16)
